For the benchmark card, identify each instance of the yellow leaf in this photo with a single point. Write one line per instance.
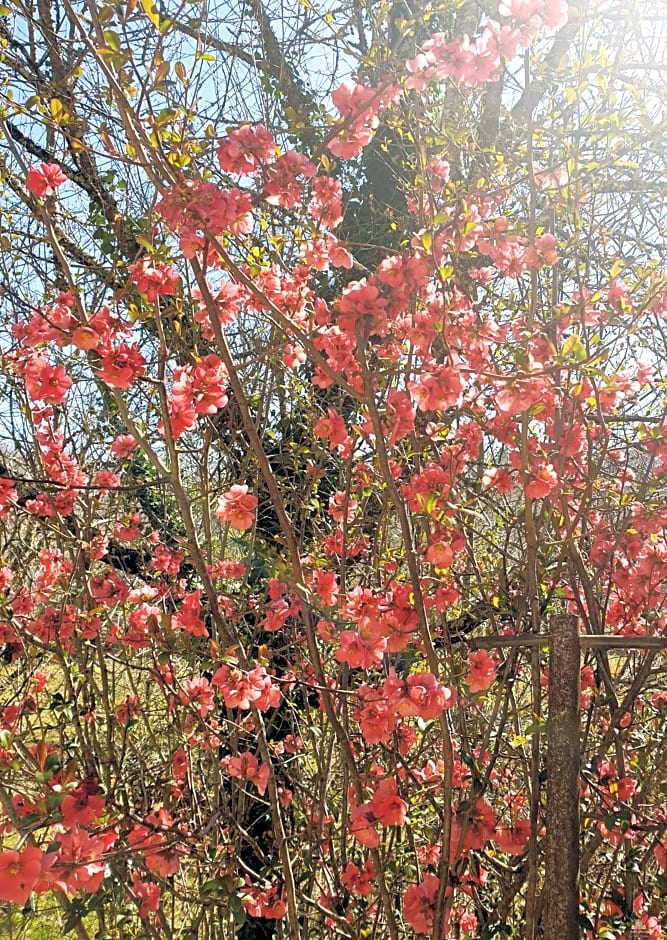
(616, 269)
(144, 242)
(57, 109)
(573, 347)
(151, 12)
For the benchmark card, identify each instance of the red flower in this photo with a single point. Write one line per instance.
(8, 495)
(81, 862)
(237, 507)
(388, 807)
(147, 893)
(123, 446)
(326, 203)
(332, 429)
(362, 825)
(241, 690)
(352, 98)
(262, 903)
(440, 555)
(419, 904)
(359, 651)
(283, 185)
(245, 766)
(198, 693)
(158, 858)
(482, 671)
(245, 149)
(19, 872)
(479, 827)
(121, 366)
(325, 586)
(43, 180)
(357, 880)
(189, 618)
(44, 382)
(83, 805)
(543, 481)
(512, 839)
(85, 337)
(154, 279)
(377, 719)
(438, 390)
(426, 697)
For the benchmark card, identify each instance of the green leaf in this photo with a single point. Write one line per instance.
(238, 911)
(213, 886)
(573, 348)
(112, 40)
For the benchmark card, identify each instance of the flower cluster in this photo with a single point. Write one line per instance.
(43, 180)
(196, 390)
(237, 507)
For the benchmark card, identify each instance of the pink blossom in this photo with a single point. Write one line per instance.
(246, 766)
(45, 382)
(19, 872)
(285, 179)
(543, 481)
(43, 180)
(333, 429)
(419, 904)
(357, 880)
(326, 204)
(198, 693)
(363, 825)
(387, 806)
(147, 893)
(237, 507)
(439, 554)
(482, 670)
(120, 366)
(359, 652)
(245, 149)
(426, 697)
(512, 839)
(244, 690)
(154, 278)
(190, 616)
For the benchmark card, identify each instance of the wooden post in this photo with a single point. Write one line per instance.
(560, 901)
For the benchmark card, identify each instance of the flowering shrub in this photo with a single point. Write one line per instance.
(275, 518)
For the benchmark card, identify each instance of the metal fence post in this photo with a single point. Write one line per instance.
(560, 902)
